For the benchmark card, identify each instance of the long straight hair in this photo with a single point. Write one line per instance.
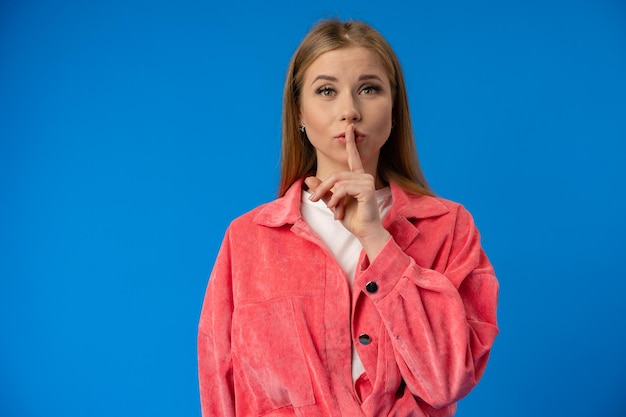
(398, 161)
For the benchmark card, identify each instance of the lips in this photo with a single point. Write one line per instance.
(358, 137)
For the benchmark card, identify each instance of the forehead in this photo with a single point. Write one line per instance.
(346, 63)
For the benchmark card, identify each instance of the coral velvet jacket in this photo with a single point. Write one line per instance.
(279, 317)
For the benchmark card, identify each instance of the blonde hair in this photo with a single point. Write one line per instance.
(398, 161)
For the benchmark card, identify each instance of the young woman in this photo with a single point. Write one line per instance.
(357, 292)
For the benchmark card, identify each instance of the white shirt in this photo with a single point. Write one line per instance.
(344, 246)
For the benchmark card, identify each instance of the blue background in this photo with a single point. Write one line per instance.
(132, 132)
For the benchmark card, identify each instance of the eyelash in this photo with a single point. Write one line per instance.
(322, 91)
(374, 88)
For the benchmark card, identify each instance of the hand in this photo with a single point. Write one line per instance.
(351, 196)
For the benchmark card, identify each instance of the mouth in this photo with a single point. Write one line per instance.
(358, 137)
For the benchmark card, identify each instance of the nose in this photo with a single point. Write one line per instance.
(349, 111)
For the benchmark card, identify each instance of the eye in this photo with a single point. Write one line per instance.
(370, 89)
(325, 91)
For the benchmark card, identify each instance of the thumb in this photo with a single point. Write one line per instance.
(312, 183)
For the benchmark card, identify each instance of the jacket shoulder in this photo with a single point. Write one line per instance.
(437, 210)
(246, 220)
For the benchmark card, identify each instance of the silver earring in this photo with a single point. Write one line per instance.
(301, 128)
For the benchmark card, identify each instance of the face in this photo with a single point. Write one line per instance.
(341, 87)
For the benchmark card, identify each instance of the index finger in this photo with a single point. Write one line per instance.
(354, 159)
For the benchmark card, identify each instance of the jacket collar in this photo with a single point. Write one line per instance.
(406, 207)
(286, 209)
(283, 210)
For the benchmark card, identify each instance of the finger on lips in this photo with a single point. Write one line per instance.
(322, 189)
(354, 159)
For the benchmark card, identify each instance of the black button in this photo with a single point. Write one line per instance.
(371, 287)
(364, 339)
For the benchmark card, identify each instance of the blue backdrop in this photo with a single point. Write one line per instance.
(132, 132)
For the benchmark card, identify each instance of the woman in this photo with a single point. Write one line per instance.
(357, 292)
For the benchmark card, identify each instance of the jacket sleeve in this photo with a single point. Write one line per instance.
(441, 323)
(215, 371)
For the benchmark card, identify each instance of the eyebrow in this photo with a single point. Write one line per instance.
(334, 79)
(324, 77)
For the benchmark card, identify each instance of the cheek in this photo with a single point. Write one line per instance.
(384, 119)
(383, 123)
(314, 121)
(307, 116)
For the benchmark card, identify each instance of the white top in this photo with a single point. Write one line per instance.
(344, 246)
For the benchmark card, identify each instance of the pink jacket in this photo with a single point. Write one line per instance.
(279, 319)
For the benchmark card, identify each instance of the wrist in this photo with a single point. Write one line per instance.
(374, 242)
